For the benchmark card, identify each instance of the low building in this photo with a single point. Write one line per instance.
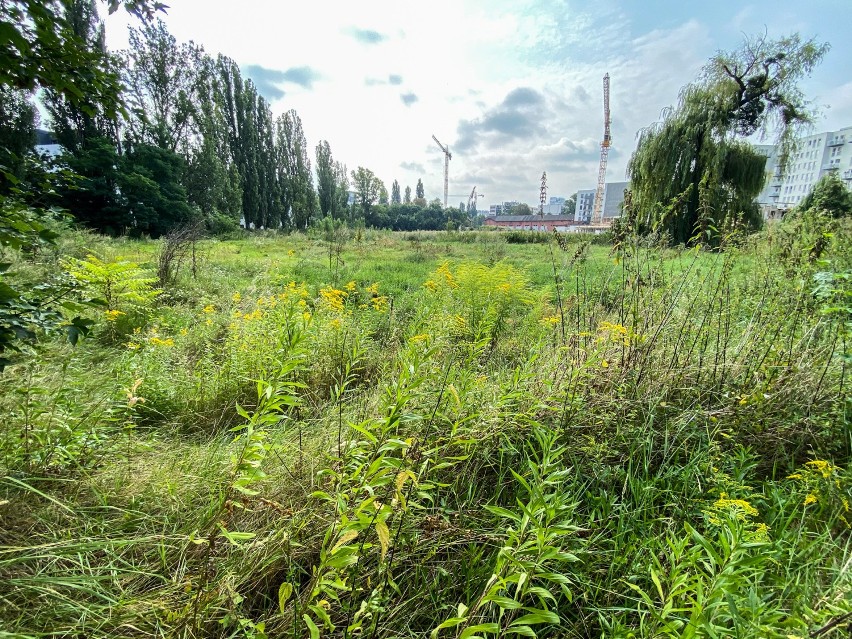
(560, 223)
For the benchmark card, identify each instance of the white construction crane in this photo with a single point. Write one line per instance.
(447, 157)
(597, 213)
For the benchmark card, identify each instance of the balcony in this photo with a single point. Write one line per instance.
(847, 174)
(837, 141)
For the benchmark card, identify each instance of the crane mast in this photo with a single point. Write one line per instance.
(597, 214)
(447, 157)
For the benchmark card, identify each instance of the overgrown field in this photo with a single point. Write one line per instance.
(391, 435)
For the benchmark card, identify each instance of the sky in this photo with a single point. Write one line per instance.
(513, 87)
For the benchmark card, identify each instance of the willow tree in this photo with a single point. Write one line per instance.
(693, 170)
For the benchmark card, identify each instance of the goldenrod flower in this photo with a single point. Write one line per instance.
(810, 499)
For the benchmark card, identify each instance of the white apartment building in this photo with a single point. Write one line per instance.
(815, 156)
(613, 198)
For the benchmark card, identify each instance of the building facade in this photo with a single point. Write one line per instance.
(613, 198)
(815, 156)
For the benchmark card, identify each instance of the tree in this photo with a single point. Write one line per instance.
(830, 196)
(570, 205)
(383, 195)
(212, 180)
(39, 49)
(520, 209)
(420, 192)
(341, 206)
(407, 199)
(17, 135)
(368, 188)
(395, 195)
(326, 178)
(297, 188)
(692, 171)
(163, 81)
(74, 122)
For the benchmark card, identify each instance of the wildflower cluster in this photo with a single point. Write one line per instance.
(617, 334)
(824, 485)
(741, 510)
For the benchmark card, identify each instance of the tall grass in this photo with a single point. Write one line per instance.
(549, 439)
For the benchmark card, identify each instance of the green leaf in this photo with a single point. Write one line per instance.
(285, 590)
(452, 622)
(312, 627)
(384, 537)
(470, 631)
(503, 512)
(506, 603)
(538, 616)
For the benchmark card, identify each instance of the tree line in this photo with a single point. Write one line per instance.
(186, 138)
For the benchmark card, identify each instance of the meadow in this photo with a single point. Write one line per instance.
(352, 433)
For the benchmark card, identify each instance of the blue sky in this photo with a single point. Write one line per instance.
(512, 86)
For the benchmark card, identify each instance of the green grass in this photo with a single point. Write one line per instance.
(495, 438)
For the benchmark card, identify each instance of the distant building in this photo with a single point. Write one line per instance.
(613, 198)
(816, 156)
(561, 223)
(502, 208)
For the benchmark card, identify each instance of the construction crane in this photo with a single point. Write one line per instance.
(473, 199)
(447, 157)
(597, 213)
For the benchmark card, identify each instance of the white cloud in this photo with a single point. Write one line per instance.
(391, 74)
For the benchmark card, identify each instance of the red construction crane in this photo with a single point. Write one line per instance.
(597, 213)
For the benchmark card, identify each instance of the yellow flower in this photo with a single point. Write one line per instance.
(810, 499)
(604, 364)
(550, 320)
(724, 503)
(291, 253)
(184, 332)
(335, 323)
(379, 303)
(373, 289)
(209, 322)
(306, 316)
(113, 315)
(431, 285)
(212, 309)
(794, 476)
(156, 341)
(350, 286)
(236, 297)
(323, 603)
(419, 338)
(824, 467)
(133, 346)
(334, 298)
